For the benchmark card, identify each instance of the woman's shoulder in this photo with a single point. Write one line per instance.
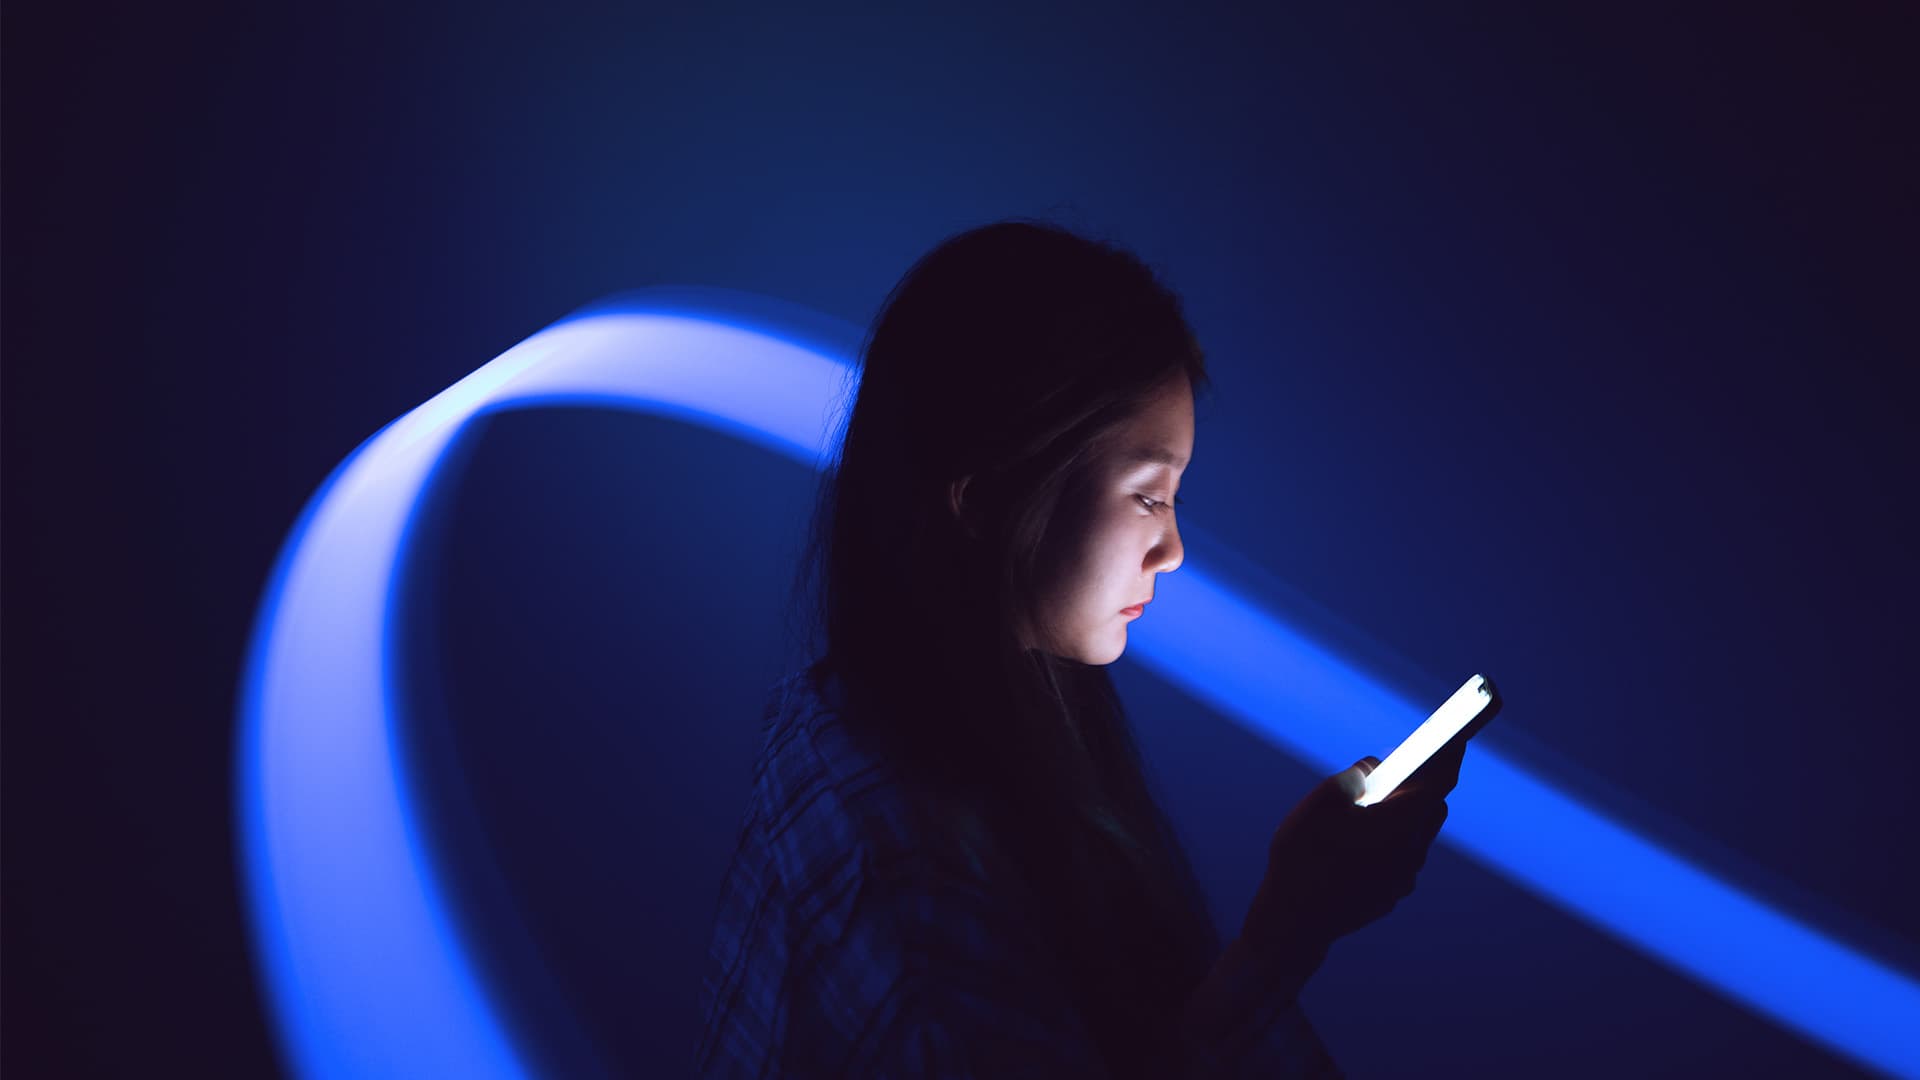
(830, 810)
(807, 758)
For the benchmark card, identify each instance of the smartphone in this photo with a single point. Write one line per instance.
(1460, 716)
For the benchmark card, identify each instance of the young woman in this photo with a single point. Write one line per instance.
(952, 864)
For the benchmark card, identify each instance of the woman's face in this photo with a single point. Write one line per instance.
(1117, 534)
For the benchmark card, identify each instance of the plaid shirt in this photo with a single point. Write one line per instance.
(837, 952)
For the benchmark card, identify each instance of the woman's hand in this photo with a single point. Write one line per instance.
(1333, 867)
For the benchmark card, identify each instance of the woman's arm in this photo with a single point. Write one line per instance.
(1242, 982)
(1245, 1018)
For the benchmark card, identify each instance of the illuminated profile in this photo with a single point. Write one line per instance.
(361, 963)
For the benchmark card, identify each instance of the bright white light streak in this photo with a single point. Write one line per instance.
(1453, 714)
(361, 962)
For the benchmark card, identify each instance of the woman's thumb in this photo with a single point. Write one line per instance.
(1352, 781)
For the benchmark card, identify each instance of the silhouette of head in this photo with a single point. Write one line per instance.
(988, 478)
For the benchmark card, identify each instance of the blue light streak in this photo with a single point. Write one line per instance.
(359, 955)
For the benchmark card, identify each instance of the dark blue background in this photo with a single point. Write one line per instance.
(1574, 348)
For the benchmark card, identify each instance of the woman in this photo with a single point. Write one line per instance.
(952, 864)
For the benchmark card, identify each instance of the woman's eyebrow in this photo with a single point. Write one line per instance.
(1155, 455)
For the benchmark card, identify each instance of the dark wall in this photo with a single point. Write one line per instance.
(1574, 348)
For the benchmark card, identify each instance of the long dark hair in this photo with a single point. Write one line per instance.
(1009, 354)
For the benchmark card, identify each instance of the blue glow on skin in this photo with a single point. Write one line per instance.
(362, 964)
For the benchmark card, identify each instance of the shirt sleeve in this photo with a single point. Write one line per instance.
(949, 983)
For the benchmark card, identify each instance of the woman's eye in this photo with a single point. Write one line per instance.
(1155, 504)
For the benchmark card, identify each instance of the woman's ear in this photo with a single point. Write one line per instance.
(955, 493)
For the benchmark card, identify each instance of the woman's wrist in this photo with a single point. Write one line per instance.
(1279, 938)
(1280, 965)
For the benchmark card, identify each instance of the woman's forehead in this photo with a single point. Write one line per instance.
(1158, 435)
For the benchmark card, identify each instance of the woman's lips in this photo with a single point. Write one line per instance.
(1136, 610)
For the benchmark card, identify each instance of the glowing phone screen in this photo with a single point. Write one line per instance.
(1453, 714)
